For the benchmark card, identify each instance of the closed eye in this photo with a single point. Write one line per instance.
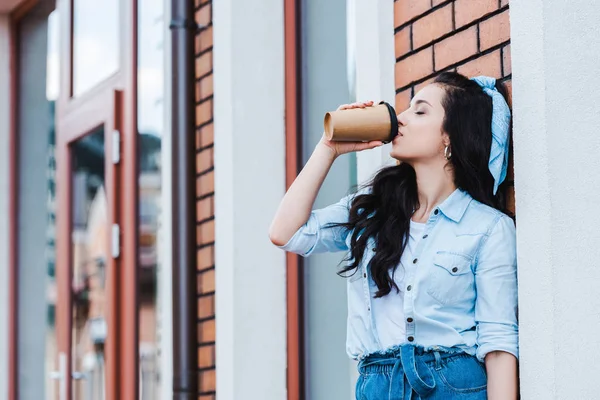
(419, 113)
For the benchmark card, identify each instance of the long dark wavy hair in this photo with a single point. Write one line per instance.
(384, 214)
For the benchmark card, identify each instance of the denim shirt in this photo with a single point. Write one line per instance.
(461, 287)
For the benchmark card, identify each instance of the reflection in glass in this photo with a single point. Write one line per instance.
(95, 42)
(150, 123)
(51, 350)
(89, 254)
(52, 77)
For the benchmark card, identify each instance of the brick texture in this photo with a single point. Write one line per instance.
(205, 208)
(489, 65)
(456, 48)
(405, 10)
(403, 100)
(468, 11)
(432, 26)
(467, 36)
(415, 67)
(494, 31)
(402, 42)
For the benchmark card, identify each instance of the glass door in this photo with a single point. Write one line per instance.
(97, 194)
(88, 153)
(89, 251)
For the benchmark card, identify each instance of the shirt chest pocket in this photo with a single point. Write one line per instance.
(451, 280)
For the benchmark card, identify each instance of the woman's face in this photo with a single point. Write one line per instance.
(420, 136)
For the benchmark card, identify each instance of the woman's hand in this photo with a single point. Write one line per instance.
(339, 148)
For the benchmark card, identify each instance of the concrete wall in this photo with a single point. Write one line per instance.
(249, 184)
(34, 119)
(4, 199)
(324, 88)
(557, 159)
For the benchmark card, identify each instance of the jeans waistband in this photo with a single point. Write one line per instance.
(374, 362)
(410, 361)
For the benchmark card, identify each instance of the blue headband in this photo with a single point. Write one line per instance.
(500, 125)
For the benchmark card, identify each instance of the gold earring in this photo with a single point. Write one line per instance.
(447, 153)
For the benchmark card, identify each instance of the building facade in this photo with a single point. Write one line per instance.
(108, 110)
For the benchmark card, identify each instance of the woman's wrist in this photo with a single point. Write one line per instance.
(324, 151)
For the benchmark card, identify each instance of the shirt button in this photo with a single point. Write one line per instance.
(410, 338)
(425, 236)
(365, 275)
(415, 260)
(409, 288)
(436, 212)
(409, 320)
(454, 269)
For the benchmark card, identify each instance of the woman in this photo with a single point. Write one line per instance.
(432, 281)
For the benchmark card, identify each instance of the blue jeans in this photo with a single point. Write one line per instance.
(408, 372)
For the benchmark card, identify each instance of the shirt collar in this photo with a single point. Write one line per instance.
(455, 205)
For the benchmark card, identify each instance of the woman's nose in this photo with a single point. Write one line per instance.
(401, 119)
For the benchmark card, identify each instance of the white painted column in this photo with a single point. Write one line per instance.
(165, 272)
(4, 197)
(533, 203)
(249, 184)
(371, 30)
(555, 66)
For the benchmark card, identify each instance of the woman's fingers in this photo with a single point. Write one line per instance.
(356, 105)
(364, 104)
(368, 145)
(374, 143)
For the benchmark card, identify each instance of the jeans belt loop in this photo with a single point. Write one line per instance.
(438, 360)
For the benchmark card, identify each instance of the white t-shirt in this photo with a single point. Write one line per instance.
(388, 310)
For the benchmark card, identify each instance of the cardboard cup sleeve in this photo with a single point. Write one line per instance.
(378, 122)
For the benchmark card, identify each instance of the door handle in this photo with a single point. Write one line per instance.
(57, 375)
(60, 376)
(76, 375)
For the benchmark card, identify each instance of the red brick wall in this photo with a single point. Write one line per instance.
(205, 216)
(471, 37)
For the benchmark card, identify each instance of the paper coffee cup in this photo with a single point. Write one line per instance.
(378, 122)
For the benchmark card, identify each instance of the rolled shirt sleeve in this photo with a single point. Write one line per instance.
(496, 284)
(316, 237)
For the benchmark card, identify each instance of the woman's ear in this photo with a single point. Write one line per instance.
(445, 139)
